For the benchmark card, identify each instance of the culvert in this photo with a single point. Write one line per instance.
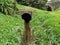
(49, 8)
(27, 17)
(27, 38)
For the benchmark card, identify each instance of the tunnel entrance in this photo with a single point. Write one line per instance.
(49, 8)
(26, 17)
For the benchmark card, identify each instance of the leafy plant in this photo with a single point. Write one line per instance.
(8, 6)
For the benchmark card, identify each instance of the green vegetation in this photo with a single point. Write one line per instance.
(45, 26)
(8, 7)
(10, 30)
(33, 3)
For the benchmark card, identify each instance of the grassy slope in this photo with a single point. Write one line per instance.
(46, 27)
(10, 28)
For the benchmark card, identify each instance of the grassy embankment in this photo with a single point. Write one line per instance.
(46, 27)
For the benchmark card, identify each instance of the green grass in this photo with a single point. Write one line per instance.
(10, 30)
(45, 26)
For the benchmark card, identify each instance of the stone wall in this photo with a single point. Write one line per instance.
(53, 5)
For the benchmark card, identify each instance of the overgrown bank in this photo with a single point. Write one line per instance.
(45, 25)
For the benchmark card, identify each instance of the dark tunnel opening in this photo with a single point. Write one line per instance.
(26, 17)
(49, 8)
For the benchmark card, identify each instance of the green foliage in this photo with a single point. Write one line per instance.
(8, 6)
(45, 26)
(34, 3)
(10, 30)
